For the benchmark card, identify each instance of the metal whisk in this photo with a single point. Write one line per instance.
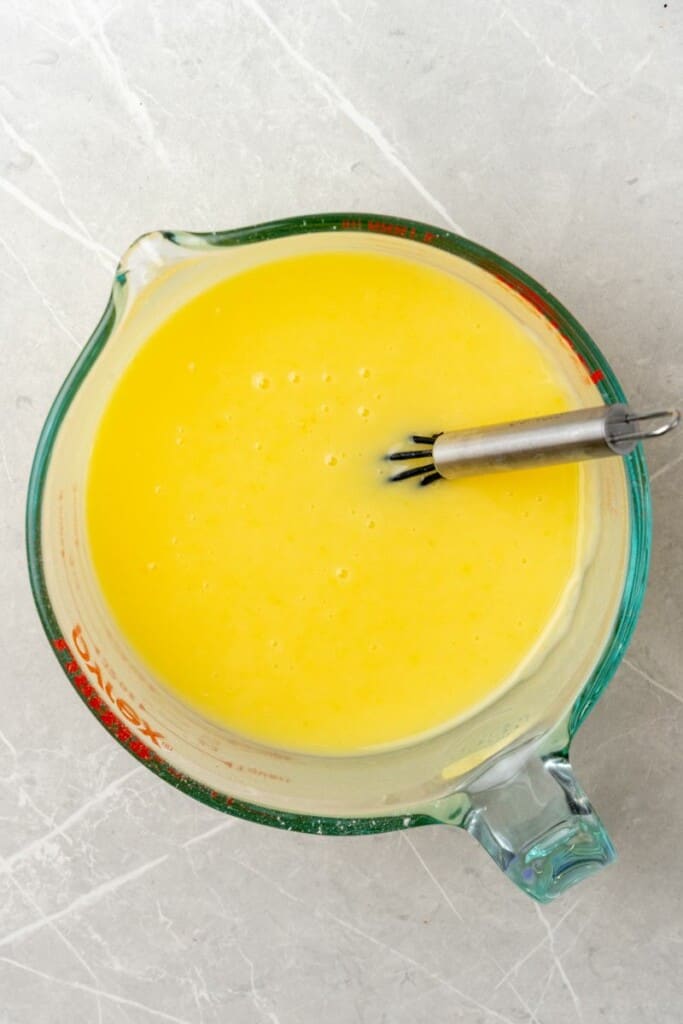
(546, 440)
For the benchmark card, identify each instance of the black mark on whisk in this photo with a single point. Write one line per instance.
(424, 453)
(424, 438)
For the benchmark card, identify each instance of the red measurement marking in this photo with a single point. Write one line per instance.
(255, 771)
(384, 228)
(81, 683)
(528, 293)
(140, 750)
(540, 304)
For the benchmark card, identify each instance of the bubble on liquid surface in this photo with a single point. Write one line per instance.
(342, 573)
(293, 377)
(260, 381)
(363, 372)
(191, 367)
(151, 566)
(326, 377)
(331, 460)
(363, 411)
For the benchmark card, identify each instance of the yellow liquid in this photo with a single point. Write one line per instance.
(246, 538)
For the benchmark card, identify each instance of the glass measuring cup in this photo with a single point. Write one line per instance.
(502, 773)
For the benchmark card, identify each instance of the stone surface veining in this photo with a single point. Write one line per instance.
(549, 132)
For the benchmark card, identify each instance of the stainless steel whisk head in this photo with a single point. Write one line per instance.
(546, 440)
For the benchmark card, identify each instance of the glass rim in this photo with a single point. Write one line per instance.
(541, 299)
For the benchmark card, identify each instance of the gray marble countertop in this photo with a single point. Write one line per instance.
(549, 131)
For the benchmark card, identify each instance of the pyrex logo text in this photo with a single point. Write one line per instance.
(127, 712)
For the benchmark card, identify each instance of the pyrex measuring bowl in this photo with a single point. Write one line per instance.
(502, 773)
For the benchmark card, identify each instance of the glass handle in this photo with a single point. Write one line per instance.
(538, 825)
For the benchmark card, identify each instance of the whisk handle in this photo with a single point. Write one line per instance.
(564, 437)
